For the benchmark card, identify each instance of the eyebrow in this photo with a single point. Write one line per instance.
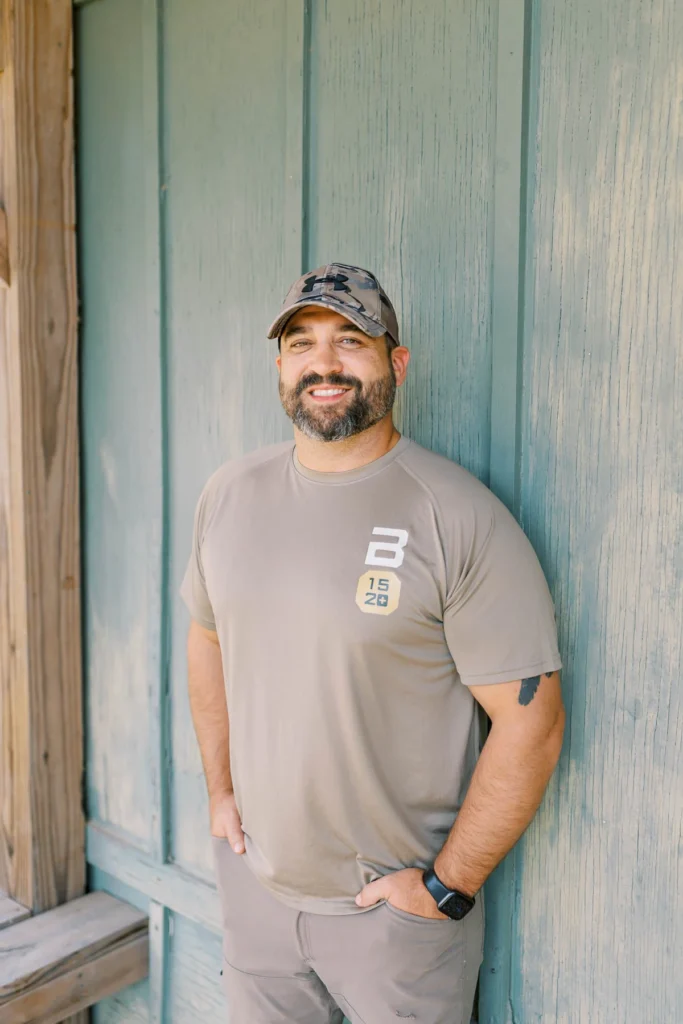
(290, 332)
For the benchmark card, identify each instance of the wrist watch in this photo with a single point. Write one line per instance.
(451, 902)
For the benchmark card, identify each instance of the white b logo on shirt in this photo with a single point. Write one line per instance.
(394, 547)
(378, 593)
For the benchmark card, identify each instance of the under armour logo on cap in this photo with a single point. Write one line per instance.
(338, 280)
(351, 291)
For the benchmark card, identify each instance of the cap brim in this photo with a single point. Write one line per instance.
(365, 324)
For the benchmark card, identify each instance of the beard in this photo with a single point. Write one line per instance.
(369, 404)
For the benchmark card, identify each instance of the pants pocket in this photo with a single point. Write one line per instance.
(419, 969)
(436, 924)
(259, 932)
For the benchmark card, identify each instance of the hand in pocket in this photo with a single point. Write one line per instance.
(225, 821)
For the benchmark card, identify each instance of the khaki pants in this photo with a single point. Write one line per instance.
(376, 967)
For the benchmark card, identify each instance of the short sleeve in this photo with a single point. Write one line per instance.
(499, 618)
(193, 588)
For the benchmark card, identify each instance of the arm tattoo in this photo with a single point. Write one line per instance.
(527, 690)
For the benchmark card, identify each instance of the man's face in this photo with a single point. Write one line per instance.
(335, 381)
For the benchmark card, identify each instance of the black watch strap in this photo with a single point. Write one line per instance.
(451, 902)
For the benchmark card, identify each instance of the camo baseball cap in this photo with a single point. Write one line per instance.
(351, 291)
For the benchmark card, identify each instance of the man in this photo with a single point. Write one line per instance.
(359, 600)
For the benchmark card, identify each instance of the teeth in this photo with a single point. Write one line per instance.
(326, 392)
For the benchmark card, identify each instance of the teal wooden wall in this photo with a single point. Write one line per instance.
(598, 879)
(509, 171)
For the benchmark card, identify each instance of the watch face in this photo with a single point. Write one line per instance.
(456, 906)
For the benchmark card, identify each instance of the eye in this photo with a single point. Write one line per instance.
(299, 344)
(349, 341)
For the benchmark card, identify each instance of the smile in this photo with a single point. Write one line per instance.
(327, 393)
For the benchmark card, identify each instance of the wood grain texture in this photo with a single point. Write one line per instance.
(39, 948)
(56, 964)
(297, 24)
(402, 110)
(150, 12)
(77, 988)
(101, 881)
(166, 884)
(11, 912)
(41, 839)
(4, 248)
(507, 268)
(158, 961)
(508, 313)
(118, 194)
(130, 1006)
(599, 921)
(227, 259)
(195, 989)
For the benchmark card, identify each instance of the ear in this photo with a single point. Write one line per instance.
(400, 357)
(278, 361)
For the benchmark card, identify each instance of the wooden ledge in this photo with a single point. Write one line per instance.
(64, 960)
(11, 912)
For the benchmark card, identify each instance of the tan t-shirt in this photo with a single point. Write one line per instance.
(353, 611)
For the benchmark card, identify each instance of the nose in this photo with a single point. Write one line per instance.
(325, 359)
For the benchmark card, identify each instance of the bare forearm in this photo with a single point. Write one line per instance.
(209, 709)
(504, 794)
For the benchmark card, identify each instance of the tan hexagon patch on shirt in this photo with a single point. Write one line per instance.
(378, 592)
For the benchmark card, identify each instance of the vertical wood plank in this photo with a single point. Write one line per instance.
(195, 992)
(507, 283)
(4, 248)
(230, 251)
(124, 439)
(401, 167)
(296, 41)
(159, 767)
(122, 442)
(506, 278)
(42, 836)
(598, 921)
(158, 942)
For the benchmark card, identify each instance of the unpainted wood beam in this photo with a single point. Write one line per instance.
(64, 960)
(41, 761)
(11, 912)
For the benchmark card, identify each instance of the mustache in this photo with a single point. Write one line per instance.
(312, 380)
